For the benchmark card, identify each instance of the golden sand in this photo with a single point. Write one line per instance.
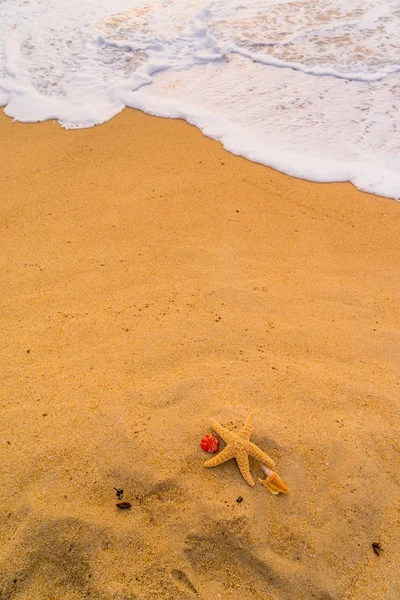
(150, 281)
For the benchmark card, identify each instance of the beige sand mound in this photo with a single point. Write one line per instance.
(151, 281)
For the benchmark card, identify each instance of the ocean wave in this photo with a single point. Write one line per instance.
(311, 89)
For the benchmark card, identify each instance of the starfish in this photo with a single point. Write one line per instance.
(238, 446)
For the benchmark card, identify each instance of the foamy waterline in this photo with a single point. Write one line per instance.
(316, 96)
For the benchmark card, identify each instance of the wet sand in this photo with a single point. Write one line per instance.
(151, 281)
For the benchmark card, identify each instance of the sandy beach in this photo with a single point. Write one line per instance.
(151, 281)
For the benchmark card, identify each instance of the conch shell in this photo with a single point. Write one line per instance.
(273, 482)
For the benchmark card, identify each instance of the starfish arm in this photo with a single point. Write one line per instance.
(222, 431)
(226, 454)
(242, 460)
(246, 430)
(260, 455)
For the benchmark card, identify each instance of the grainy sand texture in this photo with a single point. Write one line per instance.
(151, 281)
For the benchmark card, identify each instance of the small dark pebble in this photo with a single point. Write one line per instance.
(124, 505)
(28, 351)
(239, 500)
(376, 546)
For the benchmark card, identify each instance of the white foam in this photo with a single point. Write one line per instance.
(269, 128)
(309, 88)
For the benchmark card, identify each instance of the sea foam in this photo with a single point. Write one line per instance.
(309, 88)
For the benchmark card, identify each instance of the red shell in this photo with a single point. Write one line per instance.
(210, 443)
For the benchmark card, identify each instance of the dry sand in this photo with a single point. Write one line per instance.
(149, 282)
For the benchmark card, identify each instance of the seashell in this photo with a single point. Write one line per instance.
(210, 443)
(273, 482)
